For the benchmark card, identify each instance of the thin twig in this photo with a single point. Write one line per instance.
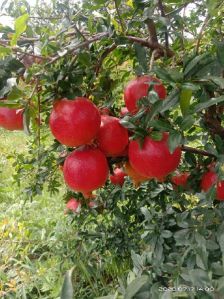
(107, 51)
(200, 34)
(152, 59)
(79, 46)
(119, 16)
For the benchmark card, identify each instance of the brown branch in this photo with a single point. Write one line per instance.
(152, 31)
(103, 56)
(161, 51)
(196, 151)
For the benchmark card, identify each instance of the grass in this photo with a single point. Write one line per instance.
(39, 243)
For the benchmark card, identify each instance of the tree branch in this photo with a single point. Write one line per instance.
(119, 16)
(161, 51)
(196, 151)
(200, 34)
(107, 51)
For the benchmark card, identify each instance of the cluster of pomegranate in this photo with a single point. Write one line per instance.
(97, 136)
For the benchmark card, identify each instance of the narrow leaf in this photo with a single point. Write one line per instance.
(135, 286)
(185, 98)
(213, 101)
(67, 288)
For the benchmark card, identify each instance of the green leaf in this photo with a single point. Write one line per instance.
(200, 278)
(220, 53)
(67, 288)
(169, 75)
(135, 286)
(217, 80)
(194, 65)
(185, 98)
(15, 93)
(4, 51)
(141, 56)
(175, 139)
(20, 27)
(213, 101)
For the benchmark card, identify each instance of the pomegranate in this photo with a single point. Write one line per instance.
(123, 111)
(11, 119)
(153, 159)
(180, 179)
(85, 170)
(76, 122)
(208, 180)
(74, 205)
(118, 177)
(138, 88)
(112, 137)
(134, 175)
(104, 111)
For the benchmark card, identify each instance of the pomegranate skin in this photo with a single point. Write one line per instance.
(154, 159)
(74, 205)
(112, 137)
(138, 88)
(124, 111)
(134, 175)
(220, 191)
(85, 170)
(208, 180)
(76, 122)
(11, 119)
(118, 177)
(180, 179)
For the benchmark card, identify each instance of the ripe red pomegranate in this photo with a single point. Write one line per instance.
(104, 111)
(180, 179)
(208, 180)
(11, 119)
(138, 88)
(112, 137)
(74, 123)
(153, 159)
(123, 111)
(74, 205)
(118, 177)
(85, 170)
(134, 175)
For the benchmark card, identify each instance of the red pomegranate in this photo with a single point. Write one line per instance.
(85, 169)
(180, 179)
(76, 122)
(11, 119)
(220, 190)
(112, 137)
(118, 177)
(74, 205)
(153, 159)
(138, 88)
(123, 111)
(208, 180)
